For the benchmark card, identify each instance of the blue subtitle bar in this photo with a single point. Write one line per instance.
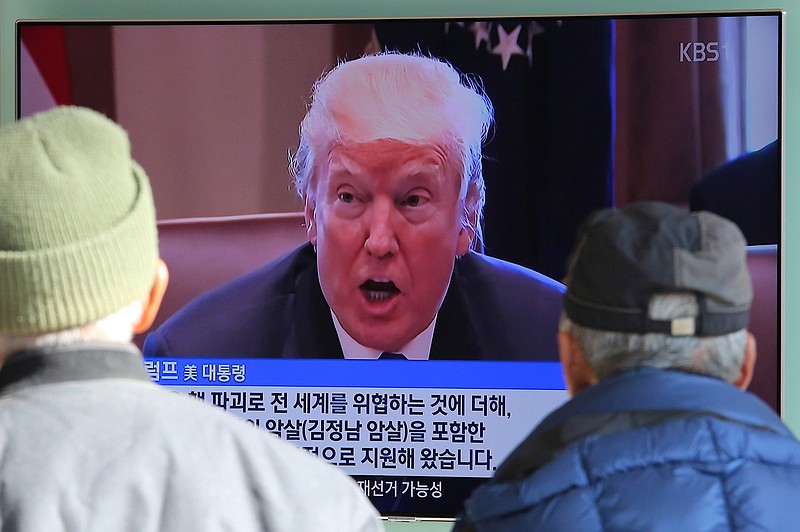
(459, 374)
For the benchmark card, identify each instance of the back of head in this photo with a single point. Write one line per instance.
(652, 284)
(77, 223)
(408, 98)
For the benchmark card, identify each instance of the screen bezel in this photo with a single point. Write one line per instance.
(151, 10)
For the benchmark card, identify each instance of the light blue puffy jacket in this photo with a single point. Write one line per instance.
(648, 450)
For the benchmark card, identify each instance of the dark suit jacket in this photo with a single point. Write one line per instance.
(493, 310)
(746, 191)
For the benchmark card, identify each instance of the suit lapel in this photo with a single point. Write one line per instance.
(311, 334)
(454, 337)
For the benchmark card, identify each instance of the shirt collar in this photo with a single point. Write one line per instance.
(419, 348)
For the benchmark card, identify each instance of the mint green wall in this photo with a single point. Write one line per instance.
(13, 10)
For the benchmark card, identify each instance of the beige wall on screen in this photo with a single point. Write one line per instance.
(212, 111)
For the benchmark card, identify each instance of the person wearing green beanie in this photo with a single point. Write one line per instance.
(87, 441)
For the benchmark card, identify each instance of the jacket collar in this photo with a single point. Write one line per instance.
(637, 398)
(74, 362)
(646, 389)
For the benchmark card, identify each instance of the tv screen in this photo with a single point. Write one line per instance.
(590, 112)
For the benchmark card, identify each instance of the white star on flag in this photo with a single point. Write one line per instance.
(447, 26)
(481, 31)
(534, 29)
(508, 44)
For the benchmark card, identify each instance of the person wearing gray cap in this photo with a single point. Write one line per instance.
(87, 441)
(659, 433)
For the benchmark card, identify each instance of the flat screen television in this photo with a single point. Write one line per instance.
(617, 76)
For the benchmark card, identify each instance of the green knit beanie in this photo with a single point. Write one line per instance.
(77, 224)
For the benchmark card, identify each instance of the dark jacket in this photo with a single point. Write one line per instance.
(648, 450)
(493, 310)
(747, 191)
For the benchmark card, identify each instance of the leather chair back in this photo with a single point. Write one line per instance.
(202, 253)
(764, 322)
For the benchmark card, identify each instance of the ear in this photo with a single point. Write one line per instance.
(465, 237)
(748, 364)
(155, 297)
(310, 215)
(577, 373)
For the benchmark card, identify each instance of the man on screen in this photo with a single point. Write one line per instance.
(658, 434)
(389, 169)
(87, 441)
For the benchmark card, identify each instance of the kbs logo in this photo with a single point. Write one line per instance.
(696, 52)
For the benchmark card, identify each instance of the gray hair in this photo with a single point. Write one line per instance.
(609, 352)
(406, 97)
(116, 327)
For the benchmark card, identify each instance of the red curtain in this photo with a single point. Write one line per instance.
(669, 122)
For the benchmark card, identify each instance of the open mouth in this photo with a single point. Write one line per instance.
(378, 291)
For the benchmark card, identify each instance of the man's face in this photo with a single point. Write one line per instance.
(386, 220)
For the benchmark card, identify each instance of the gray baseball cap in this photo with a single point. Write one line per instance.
(625, 256)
